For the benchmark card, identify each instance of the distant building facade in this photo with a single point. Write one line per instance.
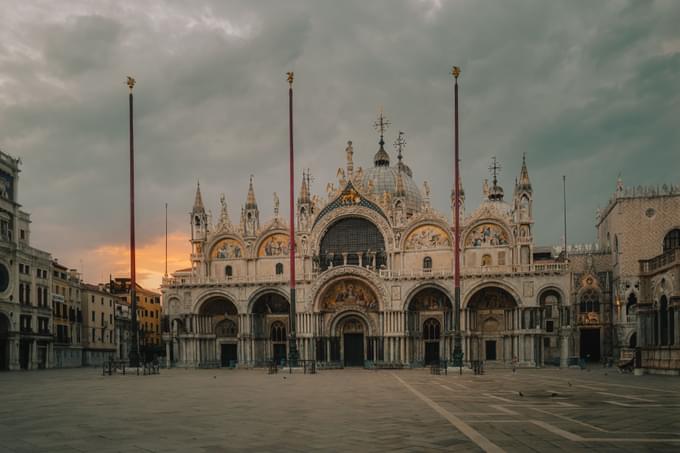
(99, 341)
(68, 317)
(148, 315)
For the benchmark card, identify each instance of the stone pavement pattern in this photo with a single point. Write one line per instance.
(341, 410)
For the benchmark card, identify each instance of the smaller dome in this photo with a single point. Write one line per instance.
(381, 158)
(496, 193)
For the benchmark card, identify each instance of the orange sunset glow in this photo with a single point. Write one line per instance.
(150, 259)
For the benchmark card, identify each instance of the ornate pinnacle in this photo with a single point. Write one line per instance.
(455, 72)
(290, 78)
(130, 83)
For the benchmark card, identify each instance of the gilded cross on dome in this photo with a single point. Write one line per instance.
(381, 125)
(495, 168)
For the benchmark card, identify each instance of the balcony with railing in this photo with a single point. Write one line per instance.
(388, 274)
(660, 262)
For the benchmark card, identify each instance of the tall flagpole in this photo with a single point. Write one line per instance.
(134, 349)
(564, 195)
(166, 239)
(292, 348)
(457, 346)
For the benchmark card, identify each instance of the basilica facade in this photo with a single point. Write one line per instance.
(374, 266)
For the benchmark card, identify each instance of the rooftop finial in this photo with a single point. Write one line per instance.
(399, 144)
(494, 168)
(496, 192)
(130, 83)
(381, 125)
(290, 76)
(455, 72)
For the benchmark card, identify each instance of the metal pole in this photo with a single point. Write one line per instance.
(292, 348)
(564, 193)
(166, 239)
(457, 342)
(134, 350)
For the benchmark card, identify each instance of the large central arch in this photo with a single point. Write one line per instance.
(352, 241)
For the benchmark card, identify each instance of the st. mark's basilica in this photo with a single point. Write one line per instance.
(374, 272)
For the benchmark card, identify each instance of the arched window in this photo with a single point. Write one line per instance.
(431, 329)
(351, 237)
(427, 264)
(279, 268)
(672, 240)
(278, 332)
(590, 301)
(228, 271)
(486, 260)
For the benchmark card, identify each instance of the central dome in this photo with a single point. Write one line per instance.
(384, 179)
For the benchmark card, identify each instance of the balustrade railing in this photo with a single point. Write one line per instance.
(384, 273)
(660, 261)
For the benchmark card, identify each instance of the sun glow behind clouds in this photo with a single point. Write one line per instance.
(150, 260)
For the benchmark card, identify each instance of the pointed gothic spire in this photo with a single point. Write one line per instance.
(304, 188)
(524, 183)
(198, 201)
(251, 203)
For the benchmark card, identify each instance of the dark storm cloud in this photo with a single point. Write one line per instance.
(586, 89)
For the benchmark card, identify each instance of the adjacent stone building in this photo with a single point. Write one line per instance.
(148, 315)
(25, 281)
(98, 307)
(68, 317)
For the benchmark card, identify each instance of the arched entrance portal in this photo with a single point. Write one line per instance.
(429, 318)
(348, 311)
(491, 320)
(224, 325)
(353, 334)
(4, 342)
(269, 327)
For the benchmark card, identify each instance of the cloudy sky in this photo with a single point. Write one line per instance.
(586, 89)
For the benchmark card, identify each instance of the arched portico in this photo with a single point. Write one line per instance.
(429, 324)
(208, 336)
(269, 324)
(493, 324)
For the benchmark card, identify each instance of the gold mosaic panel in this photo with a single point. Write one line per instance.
(427, 237)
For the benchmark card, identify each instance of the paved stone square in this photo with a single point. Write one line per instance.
(341, 410)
